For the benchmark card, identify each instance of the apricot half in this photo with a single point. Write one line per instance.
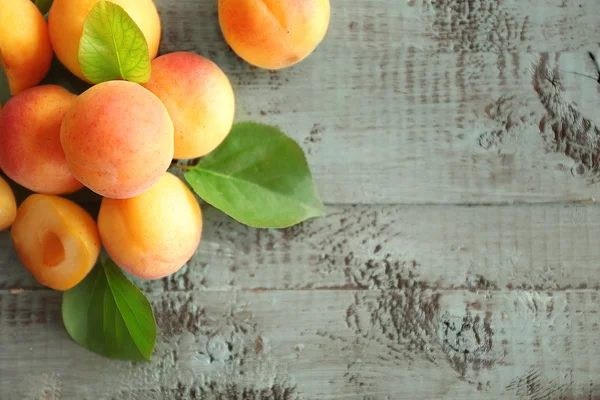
(199, 99)
(30, 149)
(154, 234)
(66, 19)
(274, 34)
(56, 240)
(25, 51)
(118, 139)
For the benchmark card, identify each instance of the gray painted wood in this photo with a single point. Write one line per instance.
(422, 101)
(321, 344)
(538, 247)
(369, 302)
(411, 112)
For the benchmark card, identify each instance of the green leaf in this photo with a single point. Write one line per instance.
(112, 46)
(108, 315)
(43, 5)
(259, 176)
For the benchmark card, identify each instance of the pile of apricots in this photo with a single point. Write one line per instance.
(119, 138)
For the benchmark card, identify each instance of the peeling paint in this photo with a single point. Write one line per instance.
(477, 25)
(564, 128)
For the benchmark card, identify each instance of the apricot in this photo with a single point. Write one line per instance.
(25, 51)
(56, 240)
(66, 19)
(118, 139)
(274, 34)
(154, 234)
(199, 99)
(30, 149)
(8, 205)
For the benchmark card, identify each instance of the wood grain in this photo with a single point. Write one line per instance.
(481, 301)
(425, 101)
(320, 344)
(463, 248)
(456, 143)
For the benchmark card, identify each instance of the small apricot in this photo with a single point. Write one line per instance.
(199, 99)
(30, 149)
(118, 139)
(25, 51)
(8, 205)
(56, 240)
(154, 234)
(274, 34)
(66, 19)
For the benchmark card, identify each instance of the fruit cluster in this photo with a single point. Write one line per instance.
(119, 138)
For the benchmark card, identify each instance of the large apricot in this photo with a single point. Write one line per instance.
(66, 19)
(25, 51)
(117, 139)
(30, 149)
(8, 205)
(199, 99)
(56, 240)
(154, 234)
(274, 34)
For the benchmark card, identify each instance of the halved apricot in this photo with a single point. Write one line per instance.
(56, 240)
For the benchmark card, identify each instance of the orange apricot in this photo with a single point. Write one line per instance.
(66, 19)
(199, 99)
(8, 205)
(56, 240)
(117, 139)
(30, 149)
(25, 51)
(154, 234)
(274, 34)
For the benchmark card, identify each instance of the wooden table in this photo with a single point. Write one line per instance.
(456, 145)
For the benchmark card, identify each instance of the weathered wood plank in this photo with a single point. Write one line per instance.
(516, 247)
(361, 304)
(414, 102)
(430, 25)
(320, 344)
(391, 110)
